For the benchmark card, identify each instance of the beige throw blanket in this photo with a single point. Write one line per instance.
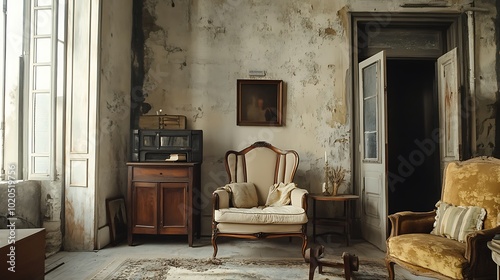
(279, 194)
(243, 195)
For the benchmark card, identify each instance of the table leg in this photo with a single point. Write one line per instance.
(347, 210)
(314, 221)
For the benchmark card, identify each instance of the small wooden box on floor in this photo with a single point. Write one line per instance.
(29, 254)
(163, 198)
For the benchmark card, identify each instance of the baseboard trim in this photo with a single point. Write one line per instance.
(103, 237)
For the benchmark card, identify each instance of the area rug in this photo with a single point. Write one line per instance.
(217, 269)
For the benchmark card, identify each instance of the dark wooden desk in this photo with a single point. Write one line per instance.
(341, 221)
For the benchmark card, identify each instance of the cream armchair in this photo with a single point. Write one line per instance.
(260, 167)
(473, 186)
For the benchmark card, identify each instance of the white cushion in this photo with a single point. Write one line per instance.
(282, 215)
(456, 222)
(279, 194)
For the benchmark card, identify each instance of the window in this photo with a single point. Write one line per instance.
(40, 82)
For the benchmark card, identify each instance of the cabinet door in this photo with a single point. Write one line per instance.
(174, 207)
(144, 208)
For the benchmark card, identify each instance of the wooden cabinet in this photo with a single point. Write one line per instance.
(163, 198)
(28, 256)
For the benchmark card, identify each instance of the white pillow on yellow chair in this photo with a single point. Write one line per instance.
(456, 222)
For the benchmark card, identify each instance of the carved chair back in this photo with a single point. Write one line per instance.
(263, 165)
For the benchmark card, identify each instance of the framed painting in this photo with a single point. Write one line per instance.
(117, 217)
(260, 102)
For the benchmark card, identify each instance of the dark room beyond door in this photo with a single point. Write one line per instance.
(412, 124)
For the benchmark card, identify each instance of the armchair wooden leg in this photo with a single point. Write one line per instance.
(304, 245)
(214, 244)
(390, 268)
(214, 240)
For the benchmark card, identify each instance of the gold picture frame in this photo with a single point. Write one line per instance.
(259, 102)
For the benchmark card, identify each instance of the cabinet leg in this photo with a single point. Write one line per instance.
(190, 239)
(130, 239)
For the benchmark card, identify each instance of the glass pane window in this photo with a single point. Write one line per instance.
(41, 3)
(41, 108)
(41, 165)
(43, 22)
(42, 78)
(43, 50)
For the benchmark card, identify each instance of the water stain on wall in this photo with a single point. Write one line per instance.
(74, 230)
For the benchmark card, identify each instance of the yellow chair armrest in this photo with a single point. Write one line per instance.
(298, 198)
(412, 222)
(477, 252)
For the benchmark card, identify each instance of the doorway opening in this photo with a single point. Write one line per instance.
(412, 123)
(401, 108)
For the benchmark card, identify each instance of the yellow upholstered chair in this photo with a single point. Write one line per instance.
(474, 183)
(246, 208)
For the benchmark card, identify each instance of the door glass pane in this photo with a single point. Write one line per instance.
(371, 145)
(370, 80)
(370, 114)
(370, 129)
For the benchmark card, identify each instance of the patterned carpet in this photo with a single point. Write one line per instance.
(217, 269)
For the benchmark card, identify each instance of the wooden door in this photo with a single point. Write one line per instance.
(173, 208)
(144, 208)
(372, 104)
(449, 107)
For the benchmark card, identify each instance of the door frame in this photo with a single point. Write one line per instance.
(455, 37)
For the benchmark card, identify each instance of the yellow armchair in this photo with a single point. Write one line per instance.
(475, 182)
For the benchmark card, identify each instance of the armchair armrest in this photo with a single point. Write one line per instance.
(220, 199)
(477, 252)
(412, 222)
(298, 198)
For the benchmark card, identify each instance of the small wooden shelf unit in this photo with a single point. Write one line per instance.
(163, 198)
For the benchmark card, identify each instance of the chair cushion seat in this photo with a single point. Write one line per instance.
(437, 253)
(281, 215)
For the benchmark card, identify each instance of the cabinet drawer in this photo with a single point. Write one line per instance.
(159, 173)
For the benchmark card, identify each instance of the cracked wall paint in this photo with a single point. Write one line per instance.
(114, 107)
(305, 43)
(486, 78)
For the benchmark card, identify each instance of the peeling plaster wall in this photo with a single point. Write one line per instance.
(487, 49)
(194, 53)
(114, 104)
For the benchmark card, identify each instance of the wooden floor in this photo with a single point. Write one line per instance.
(83, 265)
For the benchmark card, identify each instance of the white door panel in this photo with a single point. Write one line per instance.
(449, 107)
(372, 88)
